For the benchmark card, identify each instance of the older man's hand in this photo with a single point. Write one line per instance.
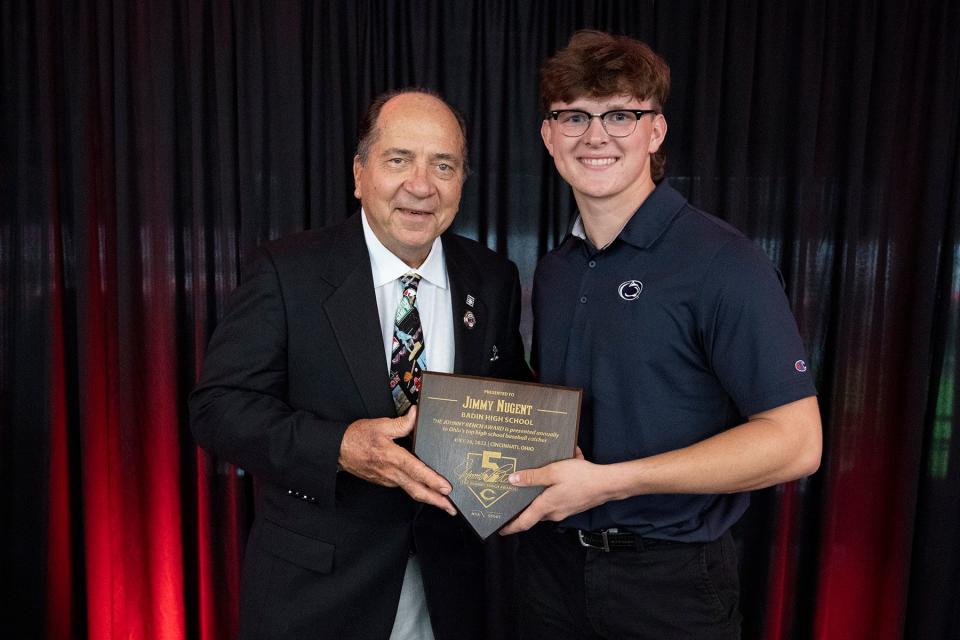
(368, 451)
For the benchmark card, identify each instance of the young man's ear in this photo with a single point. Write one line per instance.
(658, 132)
(546, 133)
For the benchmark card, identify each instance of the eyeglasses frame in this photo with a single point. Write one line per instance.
(639, 113)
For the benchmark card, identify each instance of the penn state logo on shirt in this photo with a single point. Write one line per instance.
(630, 290)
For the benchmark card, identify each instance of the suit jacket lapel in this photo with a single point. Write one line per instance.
(465, 279)
(352, 311)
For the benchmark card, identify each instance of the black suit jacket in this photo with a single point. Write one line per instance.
(297, 357)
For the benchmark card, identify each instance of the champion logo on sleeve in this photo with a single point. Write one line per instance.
(800, 366)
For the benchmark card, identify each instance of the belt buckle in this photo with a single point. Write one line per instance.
(603, 537)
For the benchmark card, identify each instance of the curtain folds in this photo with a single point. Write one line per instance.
(147, 148)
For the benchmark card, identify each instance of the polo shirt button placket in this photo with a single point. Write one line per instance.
(592, 263)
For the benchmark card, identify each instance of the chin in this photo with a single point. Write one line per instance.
(596, 191)
(417, 243)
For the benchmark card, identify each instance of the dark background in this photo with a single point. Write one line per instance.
(148, 147)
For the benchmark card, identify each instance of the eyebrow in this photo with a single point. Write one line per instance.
(616, 106)
(407, 153)
(396, 151)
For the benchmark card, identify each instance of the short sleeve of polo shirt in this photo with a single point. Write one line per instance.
(749, 334)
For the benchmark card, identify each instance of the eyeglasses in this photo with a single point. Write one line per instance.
(618, 123)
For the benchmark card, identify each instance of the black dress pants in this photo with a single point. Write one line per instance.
(659, 592)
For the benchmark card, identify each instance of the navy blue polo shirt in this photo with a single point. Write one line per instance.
(676, 331)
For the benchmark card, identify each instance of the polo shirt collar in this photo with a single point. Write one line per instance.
(648, 222)
(387, 267)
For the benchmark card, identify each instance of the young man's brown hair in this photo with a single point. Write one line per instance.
(596, 64)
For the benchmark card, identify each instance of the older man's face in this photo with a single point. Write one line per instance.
(411, 181)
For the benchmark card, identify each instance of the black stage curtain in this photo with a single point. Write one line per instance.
(148, 147)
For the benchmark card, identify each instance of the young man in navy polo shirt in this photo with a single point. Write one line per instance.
(695, 385)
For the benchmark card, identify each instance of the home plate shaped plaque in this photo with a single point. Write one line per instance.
(475, 432)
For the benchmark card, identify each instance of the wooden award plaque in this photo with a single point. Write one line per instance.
(475, 432)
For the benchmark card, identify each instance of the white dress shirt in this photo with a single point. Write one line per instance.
(433, 303)
(433, 299)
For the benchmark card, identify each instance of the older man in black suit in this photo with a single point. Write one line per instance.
(318, 354)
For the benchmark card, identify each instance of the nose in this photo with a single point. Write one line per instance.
(595, 133)
(418, 183)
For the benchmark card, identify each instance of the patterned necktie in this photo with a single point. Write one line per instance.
(408, 360)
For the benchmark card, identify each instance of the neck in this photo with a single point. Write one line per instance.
(603, 218)
(412, 261)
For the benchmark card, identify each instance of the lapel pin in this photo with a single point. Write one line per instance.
(469, 319)
(470, 300)
(494, 354)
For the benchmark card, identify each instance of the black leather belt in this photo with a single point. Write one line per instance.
(613, 540)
